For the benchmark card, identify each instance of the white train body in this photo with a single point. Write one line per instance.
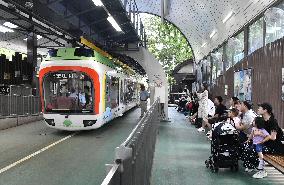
(82, 93)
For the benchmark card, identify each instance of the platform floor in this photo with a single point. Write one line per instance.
(180, 154)
(78, 160)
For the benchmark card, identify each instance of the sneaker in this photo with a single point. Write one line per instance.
(248, 170)
(209, 133)
(201, 129)
(260, 174)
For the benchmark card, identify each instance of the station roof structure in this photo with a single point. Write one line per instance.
(60, 21)
(200, 19)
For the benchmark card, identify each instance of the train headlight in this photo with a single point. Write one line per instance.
(88, 123)
(50, 122)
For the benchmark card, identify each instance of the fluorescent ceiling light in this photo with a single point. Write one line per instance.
(38, 37)
(213, 33)
(4, 29)
(10, 25)
(228, 16)
(204, 44)
(113, 23)
(98, 2)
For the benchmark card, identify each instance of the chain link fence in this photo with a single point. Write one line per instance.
(134, 157)
(14, 105)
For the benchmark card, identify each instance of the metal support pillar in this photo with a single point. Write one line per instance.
(32, 58)
(246, 41)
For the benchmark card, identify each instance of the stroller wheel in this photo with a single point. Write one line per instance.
(207, 164)
(215, 170)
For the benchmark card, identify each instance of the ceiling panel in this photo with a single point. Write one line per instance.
(198, 18)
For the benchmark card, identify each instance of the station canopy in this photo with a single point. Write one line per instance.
(60, 21)
(198, 19)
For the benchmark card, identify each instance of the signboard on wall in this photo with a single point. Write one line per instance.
(282, 94)
(243, 84)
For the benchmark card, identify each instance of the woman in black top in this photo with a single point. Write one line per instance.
(273, 146)
(271, 126)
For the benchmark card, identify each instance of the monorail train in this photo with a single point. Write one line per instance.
(81, 89)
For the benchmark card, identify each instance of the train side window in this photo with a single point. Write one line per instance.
(108, 83)
(114, 92)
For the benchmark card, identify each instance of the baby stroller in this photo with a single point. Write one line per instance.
(224, 147)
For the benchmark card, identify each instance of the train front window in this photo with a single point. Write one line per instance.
(68, 92)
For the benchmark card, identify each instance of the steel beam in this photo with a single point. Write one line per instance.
(50, 46)
(39, 19)
(26, 30)
(79, 13)
(49, 2)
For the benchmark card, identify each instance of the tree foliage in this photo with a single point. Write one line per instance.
(166, 43)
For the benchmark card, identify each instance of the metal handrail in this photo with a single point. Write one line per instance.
(15, 105)
(126, 142)
(111, 174)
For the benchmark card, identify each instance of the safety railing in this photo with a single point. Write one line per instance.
(14, 105)
(134, 157)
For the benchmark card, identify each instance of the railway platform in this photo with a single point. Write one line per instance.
(180, 154)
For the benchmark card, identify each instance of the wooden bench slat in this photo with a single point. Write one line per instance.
(275, 160)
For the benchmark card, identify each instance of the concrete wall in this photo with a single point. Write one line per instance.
(16, 121)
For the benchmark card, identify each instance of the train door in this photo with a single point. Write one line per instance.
(107, 95)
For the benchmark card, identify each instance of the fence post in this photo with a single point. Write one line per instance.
(124, 155)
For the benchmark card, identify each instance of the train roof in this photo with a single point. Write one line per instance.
(86, 54)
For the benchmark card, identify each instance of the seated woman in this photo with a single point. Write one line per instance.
(233, 117)
(273, 146)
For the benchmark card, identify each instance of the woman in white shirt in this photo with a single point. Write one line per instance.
(203, 103)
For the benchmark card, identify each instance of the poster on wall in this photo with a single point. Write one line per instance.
(247, 84)
(282, 94)
(236, 83)
(243, 84)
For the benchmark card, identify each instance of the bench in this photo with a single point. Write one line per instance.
(276, 161)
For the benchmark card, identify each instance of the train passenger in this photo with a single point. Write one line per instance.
(82, 98)
(144, 95)
(87, 96)
(63, 102)
(73, 94)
